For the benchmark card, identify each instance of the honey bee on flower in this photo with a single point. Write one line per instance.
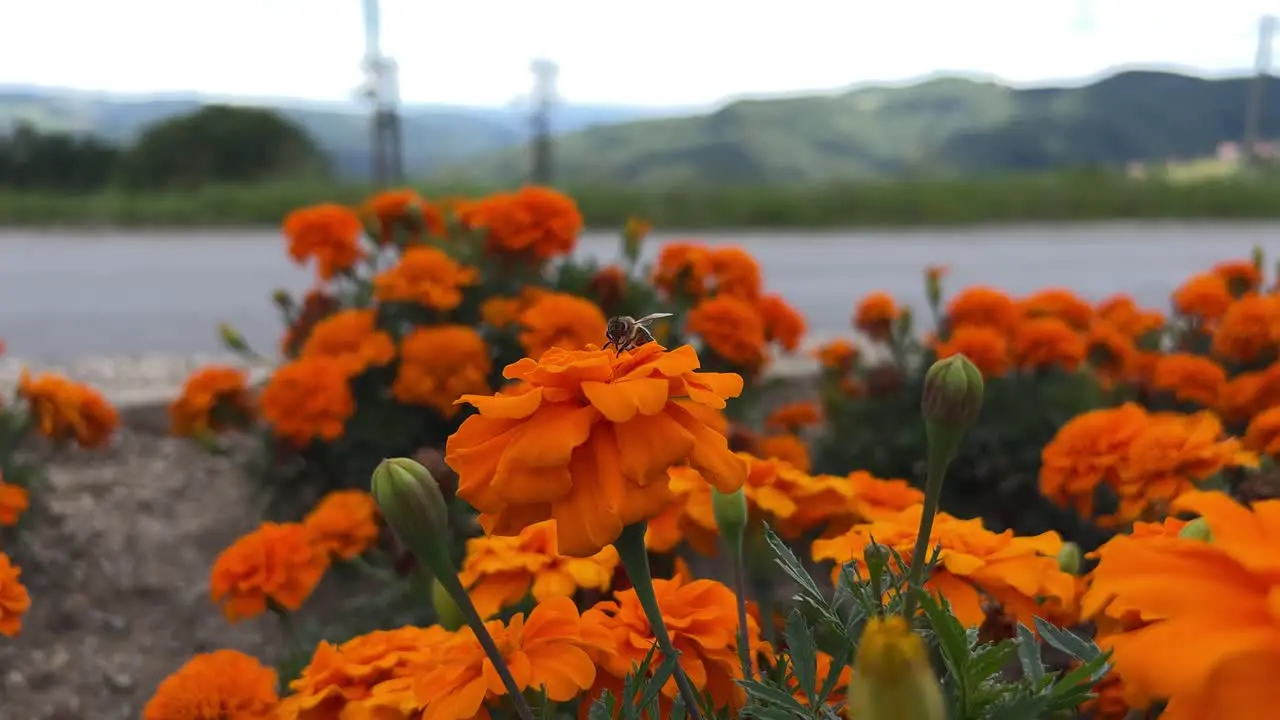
(627, 333)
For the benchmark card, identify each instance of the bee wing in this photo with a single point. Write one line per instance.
(650, 318)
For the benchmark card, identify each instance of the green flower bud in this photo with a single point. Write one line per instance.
(232, 338)
(1070, 559)
(1197, 529)
(731, 515)
(952, 393)
(282, 299)
(414, 509)
(448, 616)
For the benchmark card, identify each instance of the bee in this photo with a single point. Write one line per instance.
(627, 333)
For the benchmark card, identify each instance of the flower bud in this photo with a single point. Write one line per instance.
(282, 299)
(1197, 529)
(952, 393)
(731, 515)
(1070, 559)
(892, 676)
(1259, 257)
(414, 509)
(448, 616)
(877, 556)
(232, 338)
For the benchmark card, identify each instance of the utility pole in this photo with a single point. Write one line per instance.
(382, 90)
(1258, 89)
(545, 73)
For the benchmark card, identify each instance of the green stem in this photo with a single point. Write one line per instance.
(635, 559)
(453, 586)
(738, 576)
(938, 462)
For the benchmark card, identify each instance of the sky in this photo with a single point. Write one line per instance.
(656, 52)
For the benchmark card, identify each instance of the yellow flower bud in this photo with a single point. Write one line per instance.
(1070, 559)
(1197, 529)
(414, 508)
(892, 677)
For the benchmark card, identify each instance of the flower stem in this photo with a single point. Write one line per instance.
(635, 559)
(738, 576)
(938, 462)
(453, 586)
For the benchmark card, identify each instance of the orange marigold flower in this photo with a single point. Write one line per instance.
(1248, 394)
(560, 320)
(732, 329)
(608, 287)
(344, 523)
(546, 652)
(213, 398)
(427, 276)
(316, 306)
(837, 356)
(536, 221)
(794, 415)
(1047, 342)
(1242, 276)
(14, 500)
(1205, 297)
(875, 315)
(682, 268)
(736, 272)
(1060, 303)
(14, 600)
(329, 233)
(1123, 313)
(1014, 571)
(1249, 329)
(439, 364)
(985, 346)
(353, 338)
(590, 441)
(64, 409)
(702, 619)
(1213, 600)
(499, 312)
(1110, 350)
(276, 563)
(499, 572)
(873, 498)
(981, 305)
(308, 399)
(216, 686)
(1189, 378)
(1262, 436)
(1087, 452)
(783, 324)
(404, 209)
(786, 447)
(369, 676)
(1169, 457)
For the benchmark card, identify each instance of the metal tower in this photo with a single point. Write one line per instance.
(545, 73)
(382, 89)
(1258, 89)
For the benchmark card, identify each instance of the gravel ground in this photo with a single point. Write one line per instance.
(116, 556)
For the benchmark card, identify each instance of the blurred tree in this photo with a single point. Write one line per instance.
(39, 161)
(220, 144)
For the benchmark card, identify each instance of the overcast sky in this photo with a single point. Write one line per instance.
(654, 52)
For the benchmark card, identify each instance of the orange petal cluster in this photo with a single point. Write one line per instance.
(427, 276)
(500, 571)
(537, 222)
(344, 523)
(14, 501)
(216, 686)
(14, 599)
(352, 338)
(67, 410)
(439, 364)
(213, 398)
(589, 440)
(275, 564)
(560, 320)
(308, 399)
(329, 234)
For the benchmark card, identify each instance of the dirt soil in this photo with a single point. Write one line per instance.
(116, 557)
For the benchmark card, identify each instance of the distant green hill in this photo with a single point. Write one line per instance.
(434, 135)
(940, 127)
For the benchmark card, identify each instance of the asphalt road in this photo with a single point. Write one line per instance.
(66, 294)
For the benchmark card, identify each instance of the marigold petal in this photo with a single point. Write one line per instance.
(505, 407)
(620, 401)
(1232, 690)
(587, 516)
(1237, 530)
(711, 456)
(565, 672)
(1143, 656)
(650, 444)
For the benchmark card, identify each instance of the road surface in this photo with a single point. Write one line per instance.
(67, 294)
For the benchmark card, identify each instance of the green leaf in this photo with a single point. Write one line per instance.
(774, 696)
(653, 688)
(989, 659)
(678, 710)
(1067, 641)
(765, 712)
(804, 655)
(1029, 655)
(792, 566)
